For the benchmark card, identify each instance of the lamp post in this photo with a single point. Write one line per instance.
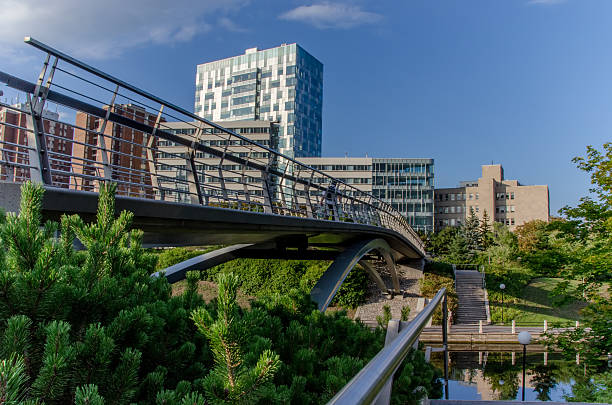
(524, 338)
(502, 287)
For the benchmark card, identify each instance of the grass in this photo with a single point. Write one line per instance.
(535, 304)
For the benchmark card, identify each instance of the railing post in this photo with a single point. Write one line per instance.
(266, 192)
(513, 326)
(445, 341)
(195, 191)
(545, 325)
(102, 156)
(37, 153)
(151, 155)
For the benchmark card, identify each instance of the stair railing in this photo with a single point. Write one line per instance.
(367, 386)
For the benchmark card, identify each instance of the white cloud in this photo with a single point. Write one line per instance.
(231, 26)
(545, 2)
(103, 29)
(328, 15)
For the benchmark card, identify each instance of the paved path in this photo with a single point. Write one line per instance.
(409, 283)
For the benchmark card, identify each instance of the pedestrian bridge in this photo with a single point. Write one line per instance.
(201, 185)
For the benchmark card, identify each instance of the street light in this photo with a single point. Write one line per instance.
(524, 338)
(502, 287)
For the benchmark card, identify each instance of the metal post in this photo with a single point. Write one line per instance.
(195, 190)
(513, 326)
(502, 291)
(152, 156)
(102, 156)
(267, 195)
(37, 153)
(524, 360)
(445, 342)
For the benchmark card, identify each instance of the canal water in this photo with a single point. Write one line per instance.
(498, 375)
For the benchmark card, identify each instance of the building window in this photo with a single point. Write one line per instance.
(511, 221)
(512, 195)
(471, 196)
(452, 197)
(477, 196)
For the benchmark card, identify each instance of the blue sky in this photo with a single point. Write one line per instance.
(524, 83)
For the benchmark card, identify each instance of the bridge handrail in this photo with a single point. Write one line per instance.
(364, 387)
(368, 209)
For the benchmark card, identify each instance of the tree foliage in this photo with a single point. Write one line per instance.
(588, 236)
(92, 326)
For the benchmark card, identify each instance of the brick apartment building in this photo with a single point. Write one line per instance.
(126, 162)
(14, 140)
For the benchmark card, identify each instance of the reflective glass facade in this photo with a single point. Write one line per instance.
(405, 183)
(282, 84)
(408, 185)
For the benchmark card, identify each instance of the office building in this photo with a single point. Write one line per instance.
(505, 201)
(127, 160)
(13, 134)
(404, 183)
(212, 171)
(282, 84)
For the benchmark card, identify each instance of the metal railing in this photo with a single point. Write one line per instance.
(366, 387)
(110, 130)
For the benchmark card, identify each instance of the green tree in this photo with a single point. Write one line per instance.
(485, 231)
(504, 248)
(88, 324)
(458, 251)
(442, 240)
(471, 233)
(588, 231)
(231, 381)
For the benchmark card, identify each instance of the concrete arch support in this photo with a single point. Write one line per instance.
(179, 271)
(329, 283)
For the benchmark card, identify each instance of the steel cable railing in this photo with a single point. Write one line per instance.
(154, 149)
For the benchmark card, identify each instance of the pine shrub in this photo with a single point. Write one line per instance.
(93, 327)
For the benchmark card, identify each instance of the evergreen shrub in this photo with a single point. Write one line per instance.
(93, 327)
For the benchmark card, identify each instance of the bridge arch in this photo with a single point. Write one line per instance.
(328, 285)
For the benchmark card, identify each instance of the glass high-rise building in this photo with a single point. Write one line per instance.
(282, 84)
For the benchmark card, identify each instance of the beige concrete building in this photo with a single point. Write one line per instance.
(505, 201)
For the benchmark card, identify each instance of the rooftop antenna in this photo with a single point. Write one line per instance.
(345, 155)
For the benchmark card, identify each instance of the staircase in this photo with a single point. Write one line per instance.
(471, 297)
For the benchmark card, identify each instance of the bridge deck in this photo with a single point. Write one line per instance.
(179, 224)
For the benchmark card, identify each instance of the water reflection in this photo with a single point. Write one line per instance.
(498, 375)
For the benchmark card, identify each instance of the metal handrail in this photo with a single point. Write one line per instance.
(291, 176)
(367, 384)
